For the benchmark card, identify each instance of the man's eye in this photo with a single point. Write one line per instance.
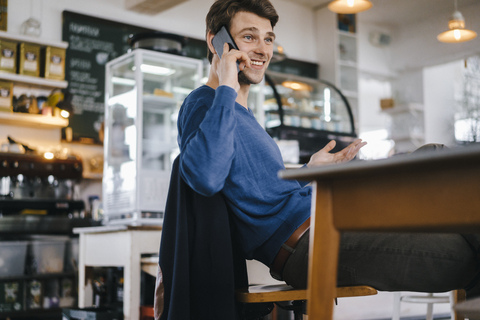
(248, 37)
(269, 40)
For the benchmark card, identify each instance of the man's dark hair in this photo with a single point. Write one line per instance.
(222, 12)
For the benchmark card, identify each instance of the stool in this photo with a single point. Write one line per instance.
(283, 292)
(429, 299)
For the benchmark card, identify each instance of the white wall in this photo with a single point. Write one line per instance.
(408, 86)
(375, 74)
(375, 61)
(371, 90)
(439, 103)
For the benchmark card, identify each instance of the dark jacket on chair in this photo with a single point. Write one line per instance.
(200, 266)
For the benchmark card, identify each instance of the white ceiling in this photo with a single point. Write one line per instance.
(398, 12)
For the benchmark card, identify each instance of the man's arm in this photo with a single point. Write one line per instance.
(207, 143)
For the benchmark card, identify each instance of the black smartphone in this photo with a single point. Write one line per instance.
(219, 40)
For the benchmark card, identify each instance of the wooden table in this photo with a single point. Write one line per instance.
(116, 246)
(427, 192)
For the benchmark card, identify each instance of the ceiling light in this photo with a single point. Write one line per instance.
(349, 6)
(457, 32)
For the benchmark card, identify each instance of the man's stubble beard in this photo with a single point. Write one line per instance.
(243, 79)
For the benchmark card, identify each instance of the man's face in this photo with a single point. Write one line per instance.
(253, 35)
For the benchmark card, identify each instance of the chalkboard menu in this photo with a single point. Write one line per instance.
(92, 43)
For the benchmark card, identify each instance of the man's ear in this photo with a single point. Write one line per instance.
(210, 36)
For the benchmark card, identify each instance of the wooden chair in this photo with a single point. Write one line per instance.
(283, 292)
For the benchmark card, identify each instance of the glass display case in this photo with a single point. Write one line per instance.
(310, 111)
(144, 92)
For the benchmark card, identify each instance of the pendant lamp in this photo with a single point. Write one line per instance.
(457, 32)
(349, 6)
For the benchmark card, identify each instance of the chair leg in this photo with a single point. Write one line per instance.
(298, 307)
(452, 297)
(429, 309)
(297, 315)
(456, 296)
(396, 306)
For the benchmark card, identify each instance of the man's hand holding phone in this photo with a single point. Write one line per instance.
(232, 61)
(227, 70)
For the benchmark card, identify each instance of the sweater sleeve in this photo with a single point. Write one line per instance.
(206, 138)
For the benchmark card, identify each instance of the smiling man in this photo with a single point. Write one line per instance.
(224, 150)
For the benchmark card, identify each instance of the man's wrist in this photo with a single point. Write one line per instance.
(227, 89)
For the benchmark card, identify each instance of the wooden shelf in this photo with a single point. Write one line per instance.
(32, 120)
(402, 108)
(347, 63)
(92, 176)
(41, 276)
(40, 41)
(346, 33)
(36, 81)
(53, 313)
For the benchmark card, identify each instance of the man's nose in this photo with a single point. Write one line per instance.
(262, 48)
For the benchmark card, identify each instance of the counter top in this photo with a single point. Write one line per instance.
(114, 228)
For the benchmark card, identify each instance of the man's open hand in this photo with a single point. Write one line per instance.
(324, 157)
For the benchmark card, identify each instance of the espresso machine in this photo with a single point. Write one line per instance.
(38, 193)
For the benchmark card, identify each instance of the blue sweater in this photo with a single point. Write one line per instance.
(223, 148)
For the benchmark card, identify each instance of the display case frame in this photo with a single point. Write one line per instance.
(311, 136)
(140, 124)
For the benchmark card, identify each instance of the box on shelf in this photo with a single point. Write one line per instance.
(92, 314)
(53, 63)
(346, 22)
(8, 56)
(48, 254)
(387, 103)
(6, 96)
(11, 296)
(29, 59)
(12, 258)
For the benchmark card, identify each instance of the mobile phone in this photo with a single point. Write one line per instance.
(219, 40)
